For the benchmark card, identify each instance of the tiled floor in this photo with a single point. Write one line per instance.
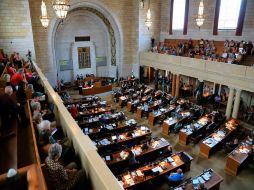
(244, 181)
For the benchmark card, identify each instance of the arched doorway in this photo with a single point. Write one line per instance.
(102, 18)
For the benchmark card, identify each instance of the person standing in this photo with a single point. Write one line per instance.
(10, 110)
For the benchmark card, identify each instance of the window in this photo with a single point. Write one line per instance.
(178, 14)
(229, 13)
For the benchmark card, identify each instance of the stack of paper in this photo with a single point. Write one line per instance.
(157, 169)
(139, 173)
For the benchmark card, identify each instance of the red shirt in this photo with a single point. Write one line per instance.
(16, 79)
(1, 56)
(11, 71)
(74, 112)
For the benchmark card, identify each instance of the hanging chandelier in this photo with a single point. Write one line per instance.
(61, 8)
(44, 16)
(148, 21)
(200, 19)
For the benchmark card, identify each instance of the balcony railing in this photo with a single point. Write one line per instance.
(237, 76)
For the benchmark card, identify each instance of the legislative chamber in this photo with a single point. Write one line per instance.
(126, 95)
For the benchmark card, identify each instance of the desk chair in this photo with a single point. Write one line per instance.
(161, 118)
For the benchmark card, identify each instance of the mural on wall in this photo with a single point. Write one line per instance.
(84, 59)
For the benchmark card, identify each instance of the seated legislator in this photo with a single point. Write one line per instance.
(229, 147)
(132, 159)
(176, 177)
(63, 177)
(17, 78)
(201, 186)
(86, 85)
(74, 111)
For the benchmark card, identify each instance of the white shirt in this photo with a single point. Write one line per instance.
(44, 125)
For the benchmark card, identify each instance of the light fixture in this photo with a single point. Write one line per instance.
(61, 8)
(44, 16)
(148, 20)
(200, 19)
(142, 4)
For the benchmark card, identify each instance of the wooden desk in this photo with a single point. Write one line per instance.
(167, 124)
(116, 157)
(212, 184)
(152, 117)
(139, 178)
(94, 112)
(96, 120)
(237, 158)
(96, 90)
(214, 140)
(129, 106)
(122, 100)
(139, 112)
(96, 132)
(123, 138)
(186, 132)
(84, 100)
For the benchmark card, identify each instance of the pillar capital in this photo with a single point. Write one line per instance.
(238, 90)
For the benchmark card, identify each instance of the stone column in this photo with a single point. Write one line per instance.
(236, 103)
(230, 101)
(156, 73)
(173, 85)
(214, 86)
(177, 85)
(219, 91)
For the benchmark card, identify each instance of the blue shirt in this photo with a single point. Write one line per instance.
(146, 108)
(176, 177)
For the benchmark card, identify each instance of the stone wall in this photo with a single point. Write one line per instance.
(125, 13)
(15, 27)
(81, 23)
(146, 34)
(206, 31)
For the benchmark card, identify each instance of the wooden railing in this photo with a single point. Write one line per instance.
(99, 174)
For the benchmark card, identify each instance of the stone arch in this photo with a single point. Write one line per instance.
(114, 29)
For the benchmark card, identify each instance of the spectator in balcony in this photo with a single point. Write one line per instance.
(225, 54)
(17, 78)
(190, 44)
(11, 70)
(3, 58)
(8, 109)
(249, 47)
(232, 44)
(63, 177)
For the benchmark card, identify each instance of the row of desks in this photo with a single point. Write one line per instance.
(238, 157)
(139, 150)
(187, 131)
(212, 142)
(169, 123)
(209, 178)
(153, 170)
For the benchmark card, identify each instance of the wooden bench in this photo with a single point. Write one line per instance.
(35, 146)
(30, 178)
(8, 150)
